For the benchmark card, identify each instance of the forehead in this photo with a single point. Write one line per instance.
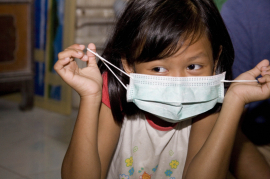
(200, 46)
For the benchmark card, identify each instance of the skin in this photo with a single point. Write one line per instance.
(212, 136)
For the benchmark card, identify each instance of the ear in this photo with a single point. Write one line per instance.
(216, 60)
(129, 69)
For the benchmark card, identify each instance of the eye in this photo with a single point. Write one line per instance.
(159, 69)
(194, 67)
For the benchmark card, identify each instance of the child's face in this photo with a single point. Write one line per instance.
(196, 60)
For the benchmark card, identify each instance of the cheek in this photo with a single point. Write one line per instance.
(209, 70)
(214, 67)
(139, 68)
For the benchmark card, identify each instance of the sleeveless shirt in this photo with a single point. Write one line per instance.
(146, 150)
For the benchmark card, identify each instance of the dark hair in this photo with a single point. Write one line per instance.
(155, 29)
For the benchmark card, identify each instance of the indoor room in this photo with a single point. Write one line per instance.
(38, 109)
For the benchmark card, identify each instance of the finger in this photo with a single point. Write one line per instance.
(256, 71)
(91, 56)
(71, 53)
(83, 58)
(60, 64)
(77, 50)
(77, 46)
(264, 79)
(265, 70)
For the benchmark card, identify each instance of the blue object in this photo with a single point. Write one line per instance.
(41, 16)
(39, 78)
(248, 22)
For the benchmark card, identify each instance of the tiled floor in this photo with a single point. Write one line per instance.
(32, 143)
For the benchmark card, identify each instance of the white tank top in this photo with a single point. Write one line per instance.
(145, 152)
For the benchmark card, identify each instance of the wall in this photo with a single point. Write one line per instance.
(94, 19)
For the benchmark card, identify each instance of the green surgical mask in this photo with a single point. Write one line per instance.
(174, 98)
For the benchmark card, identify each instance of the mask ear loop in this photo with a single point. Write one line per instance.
(104, 60)
(238, 81)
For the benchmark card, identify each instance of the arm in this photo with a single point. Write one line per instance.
(210, 148)
(200, 130)
(83, 156)
(246, 161)
(210, 159)
(213, 158)
(82, 159)
(108, 135)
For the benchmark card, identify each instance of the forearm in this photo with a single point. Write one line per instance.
(212, 160)
(82, 158)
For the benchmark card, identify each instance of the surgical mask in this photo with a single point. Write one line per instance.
(174, 98)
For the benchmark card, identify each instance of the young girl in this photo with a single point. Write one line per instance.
(162, 45)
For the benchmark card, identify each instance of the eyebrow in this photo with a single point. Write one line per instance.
(200, 54)
(191, 58)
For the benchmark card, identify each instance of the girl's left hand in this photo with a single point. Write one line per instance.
(251, 91)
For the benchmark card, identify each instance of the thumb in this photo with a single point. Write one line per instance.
(91, 56)
(256, 71)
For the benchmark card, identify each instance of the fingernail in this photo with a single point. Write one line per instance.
(81, 45)
(67, 58)
(85, 57)
(79, 52)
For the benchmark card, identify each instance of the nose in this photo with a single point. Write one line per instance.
(178, 73)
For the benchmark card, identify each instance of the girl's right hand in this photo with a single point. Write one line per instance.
(86, 81)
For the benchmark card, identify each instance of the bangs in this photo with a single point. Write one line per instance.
(165, 30)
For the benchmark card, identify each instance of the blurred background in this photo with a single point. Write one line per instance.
(37, 109)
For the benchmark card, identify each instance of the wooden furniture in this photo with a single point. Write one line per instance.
(16, 49)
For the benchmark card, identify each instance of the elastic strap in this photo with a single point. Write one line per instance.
(106, 61)
(238, 81)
